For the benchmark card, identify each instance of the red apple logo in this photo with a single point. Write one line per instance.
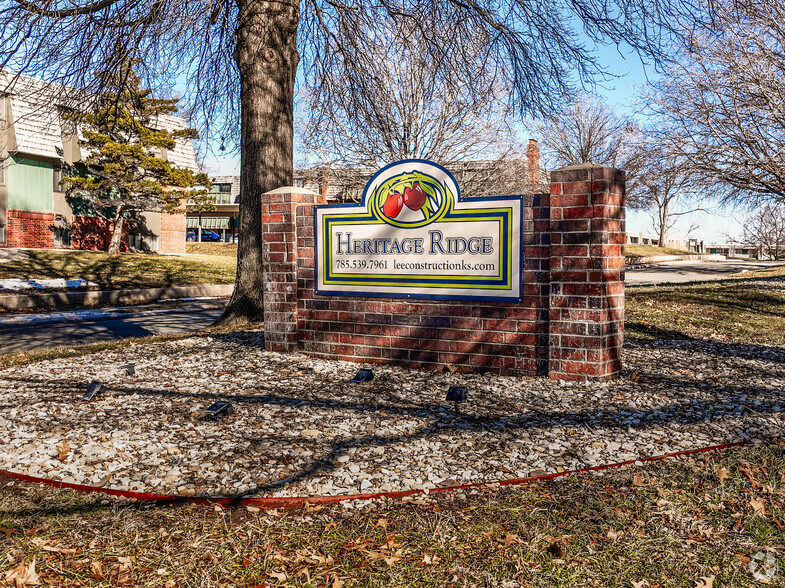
(393, 205)
(414, 197)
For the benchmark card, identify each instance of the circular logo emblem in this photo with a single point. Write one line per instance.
(411, 194)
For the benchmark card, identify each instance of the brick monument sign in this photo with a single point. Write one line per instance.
(417, 276)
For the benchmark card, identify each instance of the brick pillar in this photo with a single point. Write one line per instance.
(587, 273)
(280, 264)
(172, 238)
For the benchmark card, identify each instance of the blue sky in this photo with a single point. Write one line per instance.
(714, 224)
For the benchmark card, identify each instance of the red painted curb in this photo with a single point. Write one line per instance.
(292, 502)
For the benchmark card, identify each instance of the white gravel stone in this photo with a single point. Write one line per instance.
(299, 431)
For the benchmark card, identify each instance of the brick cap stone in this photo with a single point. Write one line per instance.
(585, 165)
(292, 190)
(577, 172)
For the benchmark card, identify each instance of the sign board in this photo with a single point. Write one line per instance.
(412, 236)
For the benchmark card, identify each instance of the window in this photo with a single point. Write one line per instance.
(62, 237)
(3, 164)
(2, 108)
(143, 242)
(59, 173)
(2, 234)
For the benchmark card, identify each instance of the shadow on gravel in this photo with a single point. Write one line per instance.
(690, 398)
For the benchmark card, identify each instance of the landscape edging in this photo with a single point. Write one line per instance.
(297, 502)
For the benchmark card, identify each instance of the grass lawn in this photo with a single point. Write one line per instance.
(650, 250)
(733, 311)
(127, 270)
(223, 249)
(686, 522)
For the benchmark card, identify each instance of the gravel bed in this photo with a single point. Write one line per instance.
(300, 428)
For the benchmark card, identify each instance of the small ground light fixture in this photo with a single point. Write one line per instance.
(129, 369)
(219, 410)
(363, 375)
(456, 394)
(94, 388)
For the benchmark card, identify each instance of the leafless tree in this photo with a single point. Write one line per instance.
(666, 185)
(765, 229)
(723, 101)
(239, 59)
(388, 101)
(589, 131)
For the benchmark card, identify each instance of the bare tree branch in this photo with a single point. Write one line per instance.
(722, 102)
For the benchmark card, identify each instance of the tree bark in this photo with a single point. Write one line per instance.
(117, 233)
(267, 57)
(663, 222)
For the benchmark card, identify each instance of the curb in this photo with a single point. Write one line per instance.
(113, 297)
(296, 502)
(634, 261)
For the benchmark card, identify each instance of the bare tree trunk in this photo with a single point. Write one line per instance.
(266, 56)
(117, 232)
(663, 213)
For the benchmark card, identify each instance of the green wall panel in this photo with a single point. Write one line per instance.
(30, 185)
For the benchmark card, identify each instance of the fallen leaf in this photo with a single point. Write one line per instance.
(758, 506)
(641, 584)
(46, 545)
(705, 582)
(381, 523)
(512, 539)
(97, 568)
(8, 531)
(614, 534)
(170, 584)
(22, 575)
(748, 474)
(388, 559)
(62, 450)
(637, 480)
(722, 473)
(337, 582)
(280, 576)
(744, 558)
(430, 560)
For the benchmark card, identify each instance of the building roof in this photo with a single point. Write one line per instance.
(36, 109)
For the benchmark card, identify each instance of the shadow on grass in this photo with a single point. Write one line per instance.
(127, 270)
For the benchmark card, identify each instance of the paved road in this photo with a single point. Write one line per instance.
(691, 271)
(31, 331)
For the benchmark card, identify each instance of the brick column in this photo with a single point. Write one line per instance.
(586, 273)
(280, 264)
(279, 261)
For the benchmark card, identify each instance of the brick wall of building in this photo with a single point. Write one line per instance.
(92, 233)
(568, 325)
(27, 228)
(172, 238)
